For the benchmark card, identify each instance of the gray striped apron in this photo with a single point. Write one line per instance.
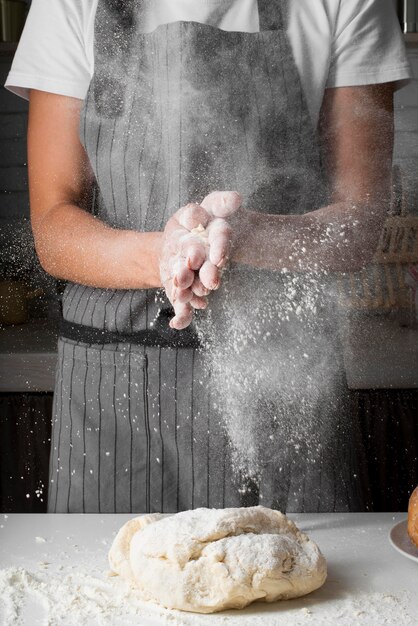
(138, 425)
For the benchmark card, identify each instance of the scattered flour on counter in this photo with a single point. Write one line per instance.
(68, 598)
(80, 597)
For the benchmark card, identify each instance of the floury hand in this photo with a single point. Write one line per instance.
(196, 246)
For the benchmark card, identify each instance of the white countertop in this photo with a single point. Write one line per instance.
(368, 581)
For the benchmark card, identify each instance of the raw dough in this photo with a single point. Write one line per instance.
(119, 552)
(201, 232)
(208, 560)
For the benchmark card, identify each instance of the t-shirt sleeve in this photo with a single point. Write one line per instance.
(52, 52)
(368, 45)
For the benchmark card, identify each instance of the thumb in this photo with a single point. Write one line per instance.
(222, 203)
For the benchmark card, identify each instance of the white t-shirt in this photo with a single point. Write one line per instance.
(335, 43)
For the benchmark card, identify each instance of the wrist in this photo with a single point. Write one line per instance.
(141, 253)
(243, 224)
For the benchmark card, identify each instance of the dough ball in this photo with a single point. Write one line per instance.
(119, 551)
(208, 560)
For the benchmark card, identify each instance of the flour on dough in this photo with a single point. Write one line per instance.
(119, 552)
(208, 560)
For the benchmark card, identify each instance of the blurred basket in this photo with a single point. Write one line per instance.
(381, 285)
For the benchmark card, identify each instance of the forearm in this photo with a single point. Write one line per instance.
(338, 237)
(74, 245)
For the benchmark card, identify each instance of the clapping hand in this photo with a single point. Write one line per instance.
(196, 246)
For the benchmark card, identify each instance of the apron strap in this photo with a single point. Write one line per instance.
(161, 336)
(272, 14)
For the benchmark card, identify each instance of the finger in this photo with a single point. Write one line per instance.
(183, 316)
(191, 215)
(193, 250)
(182, 295)
(183, 277)
(198, 288)
(209, 275)
(222, 203)
(184, 244)
(195, 257)
(198, 303)
(219, 240)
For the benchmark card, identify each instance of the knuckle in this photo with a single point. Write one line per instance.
(191, 207)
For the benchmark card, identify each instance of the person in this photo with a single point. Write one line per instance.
(143, 117)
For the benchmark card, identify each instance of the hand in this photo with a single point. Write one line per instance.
(196, 246)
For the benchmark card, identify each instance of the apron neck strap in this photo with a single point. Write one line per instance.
(272, 14)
